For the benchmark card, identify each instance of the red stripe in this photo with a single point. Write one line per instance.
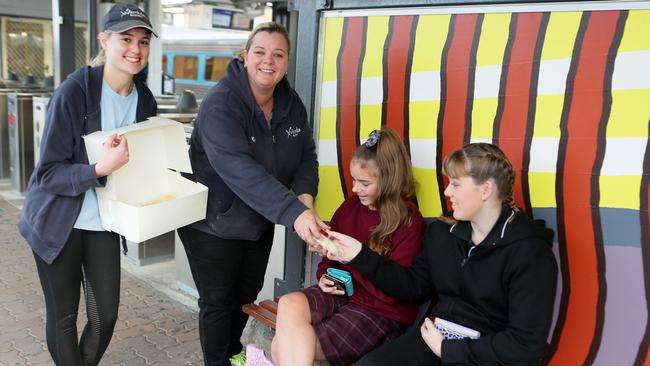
(582, 124)
(397, 61)
(517, 94)
(457, 83)
(350, 75)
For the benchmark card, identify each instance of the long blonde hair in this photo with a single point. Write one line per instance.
(482, 161)
(100, 57)
(396, 201)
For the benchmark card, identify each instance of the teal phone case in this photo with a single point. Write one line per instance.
(343, 276)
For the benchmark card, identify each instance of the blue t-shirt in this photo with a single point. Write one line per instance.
(117, 111)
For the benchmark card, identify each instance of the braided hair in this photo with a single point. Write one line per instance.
(482, 161)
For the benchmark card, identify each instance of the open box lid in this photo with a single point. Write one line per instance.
(155, 146)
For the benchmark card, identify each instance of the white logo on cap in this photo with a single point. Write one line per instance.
(132, 13)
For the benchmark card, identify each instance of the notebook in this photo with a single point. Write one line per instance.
(451, 330)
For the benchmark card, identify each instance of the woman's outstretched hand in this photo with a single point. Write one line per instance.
(348, 247)
(308, 226)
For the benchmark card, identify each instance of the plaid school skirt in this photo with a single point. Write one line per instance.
(347, 331)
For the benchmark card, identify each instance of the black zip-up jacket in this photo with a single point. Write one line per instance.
(253, 171)
(504, 287)
(56, 188)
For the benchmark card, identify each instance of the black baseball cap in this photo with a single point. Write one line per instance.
(123, 17)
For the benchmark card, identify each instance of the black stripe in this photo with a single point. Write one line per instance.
(339, 67)
(362, 54)
(559, 180)
(532, 110)
(407, 82)
(471, 79)
(441, 113)
(386, 68)
(503, 83)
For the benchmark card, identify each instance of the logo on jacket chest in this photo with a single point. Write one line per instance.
(293, 131)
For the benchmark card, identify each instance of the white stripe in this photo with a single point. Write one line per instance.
(552, 76)
(423, 153)
(486, 82)
(631, 70)
(481, 139)
(624, 156)
(372, 90)
(543, 155)
(425, 86)
(327, 153)
(328, 94)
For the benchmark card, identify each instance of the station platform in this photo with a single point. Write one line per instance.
(157, 324)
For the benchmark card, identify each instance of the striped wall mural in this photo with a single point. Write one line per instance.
(566, 94)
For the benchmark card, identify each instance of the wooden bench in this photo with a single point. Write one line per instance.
(266, 311)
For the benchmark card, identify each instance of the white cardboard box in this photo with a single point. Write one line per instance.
(144, 198)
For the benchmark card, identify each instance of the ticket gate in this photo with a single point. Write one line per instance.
(40, 111)
(21, 138)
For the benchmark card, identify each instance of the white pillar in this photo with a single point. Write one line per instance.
(154, 80)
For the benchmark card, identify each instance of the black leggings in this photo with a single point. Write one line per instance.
(92, 259)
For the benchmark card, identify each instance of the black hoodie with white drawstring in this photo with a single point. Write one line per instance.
(504, 287)
(253, 169)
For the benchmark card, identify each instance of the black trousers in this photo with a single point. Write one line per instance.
(407, 350)
(228, 274)
(91, 259)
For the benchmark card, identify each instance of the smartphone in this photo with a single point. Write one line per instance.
(341, 277)
(337, 282)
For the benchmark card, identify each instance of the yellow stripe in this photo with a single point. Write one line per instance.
(330, 195)
(492, 44)
(373, 61)
(332, 39)
(430, 38)
(559, 42)
(548, 114)
(561, 35)
(423, 118)
(630, 113)
(427, 192)
(483, 113)
(637, 31)
(620, 191)
(373, 66)
(370, 119)
(494, 37)
(542, 190)
(429, 41)
(327, 123)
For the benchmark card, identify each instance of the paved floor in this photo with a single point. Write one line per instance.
(155, 326)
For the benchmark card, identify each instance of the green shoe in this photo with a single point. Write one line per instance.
(238, 359)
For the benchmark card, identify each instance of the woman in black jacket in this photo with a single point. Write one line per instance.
(60, 218)
(490, 268)
(253, 148)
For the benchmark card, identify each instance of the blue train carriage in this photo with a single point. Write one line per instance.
(198, 58)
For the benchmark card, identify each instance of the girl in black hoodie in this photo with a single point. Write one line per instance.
(490, 268)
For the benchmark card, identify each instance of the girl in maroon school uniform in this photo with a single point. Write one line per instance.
(320, 322)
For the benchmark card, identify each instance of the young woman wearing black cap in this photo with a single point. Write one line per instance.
(60, 218)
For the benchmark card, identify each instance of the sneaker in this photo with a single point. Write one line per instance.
(255, 357)
(238, 359)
